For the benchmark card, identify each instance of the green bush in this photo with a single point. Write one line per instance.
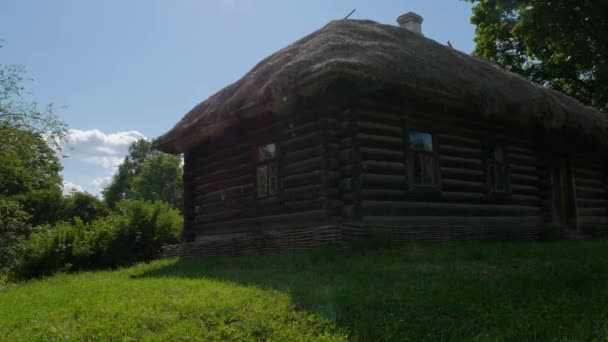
(14, 227)
(135, 232)
(84, 206)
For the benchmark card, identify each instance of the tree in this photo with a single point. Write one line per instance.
(18, 114)
(30, 140)
(146, 174)
(561, 44)
(84, 206)
(27, 163)
(14, 226)
(161, 178)
(121, 185)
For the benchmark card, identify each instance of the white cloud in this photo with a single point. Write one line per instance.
(69, 187)
(101, 182)
(98, 148)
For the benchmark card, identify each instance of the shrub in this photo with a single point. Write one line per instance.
(84, 206)
(14, 227)
(135, 232)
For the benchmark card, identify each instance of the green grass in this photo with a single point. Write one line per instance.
(515, 291)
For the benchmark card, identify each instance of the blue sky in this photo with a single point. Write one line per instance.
(124, 69)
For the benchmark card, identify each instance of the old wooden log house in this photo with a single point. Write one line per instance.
(364, 125)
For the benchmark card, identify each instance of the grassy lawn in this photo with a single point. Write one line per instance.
(514, 291)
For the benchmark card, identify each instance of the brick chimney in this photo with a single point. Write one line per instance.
(411, 21)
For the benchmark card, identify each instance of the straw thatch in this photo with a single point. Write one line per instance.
(370, 53)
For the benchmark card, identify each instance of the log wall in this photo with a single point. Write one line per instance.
(591, 188)
(220, 178)
(347, 170)
(377, 192)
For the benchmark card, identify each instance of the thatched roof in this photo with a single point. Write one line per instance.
(366, 51)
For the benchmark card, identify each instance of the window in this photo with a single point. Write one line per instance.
(422, 159)
(496, 169)
(267, 170)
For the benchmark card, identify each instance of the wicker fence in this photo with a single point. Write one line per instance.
(274, 241)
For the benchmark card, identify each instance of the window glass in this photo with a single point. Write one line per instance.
(495, 153)
(263, 181)
(496, 169)
(267, 170)
(428, 177)
(417, 169)
(421, 141)
(273, 178)
(266, 152)
(422, 159)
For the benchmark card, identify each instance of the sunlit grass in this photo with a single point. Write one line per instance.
(511, 291)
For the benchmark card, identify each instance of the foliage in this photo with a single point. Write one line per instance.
(27, 163)
(121, 185)
(147, 174)
(83, 206)
(135, 232)
(30, 140)
(560, 44)
(17, 114)
(14, 227)
(161, 178)
(473, 292)
(45, 206)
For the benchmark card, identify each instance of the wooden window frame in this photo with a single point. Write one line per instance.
(259, 163)
(410, 155)
(487, 163)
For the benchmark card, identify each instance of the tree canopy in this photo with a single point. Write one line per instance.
(561, 44)
(146, 174)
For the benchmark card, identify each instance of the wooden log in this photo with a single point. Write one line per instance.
(403, 208)
(463, 197)
(302, 154)
(521, 159)
(307, 192)
(465, 141)
(526, 199)
(283, 221)
(237, 170)
(462, 174)
(384, 194)
(224, 184)
(306, 165)
(381, 154)
(593, 220)
(523, 170)
(590, 194)
(298, 129)
(300, 179)
(382, 167)
(458, 162)
(590, 189)
(525, 190)
(225, 194)
(450, 221)
(380, 141)
(591, 183)
(303, 141)
(459, 151)
(519, 179)
(592, 202)
(463, 186)
(593, 211)
(376, 115)
(372, 180)
(380, 128)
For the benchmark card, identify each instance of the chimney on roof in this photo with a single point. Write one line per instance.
(411, 21)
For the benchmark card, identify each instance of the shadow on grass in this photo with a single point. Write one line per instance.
(483, 291)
